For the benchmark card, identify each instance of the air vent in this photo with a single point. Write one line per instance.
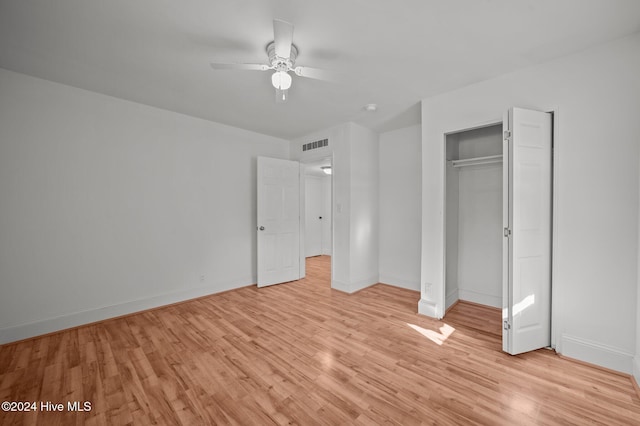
(315, 145)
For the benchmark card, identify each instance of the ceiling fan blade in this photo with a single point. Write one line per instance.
(283, 37)
(314, 73)
(282, 96)
(239, 66)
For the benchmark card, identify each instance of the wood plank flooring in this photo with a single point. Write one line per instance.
(302, 353)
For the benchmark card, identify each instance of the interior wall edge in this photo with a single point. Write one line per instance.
(598, 354)
(351, 288)
(451, 299)
(428, 308)
(480, 298)
(51, 325)
(396, 281)
(360, 284)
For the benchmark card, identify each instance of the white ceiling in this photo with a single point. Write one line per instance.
(157, 52)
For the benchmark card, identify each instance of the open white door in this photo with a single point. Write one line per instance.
(527, 227)
(278, 221)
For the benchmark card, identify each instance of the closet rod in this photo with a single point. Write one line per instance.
(491, 159)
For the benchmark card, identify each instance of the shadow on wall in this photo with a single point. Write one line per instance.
(409, 117)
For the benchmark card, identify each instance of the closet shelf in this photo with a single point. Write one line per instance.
(491, 159)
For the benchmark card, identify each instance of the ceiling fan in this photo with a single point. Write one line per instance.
(282, 55)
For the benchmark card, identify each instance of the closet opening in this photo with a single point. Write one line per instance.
(474, 217)
(498, 224)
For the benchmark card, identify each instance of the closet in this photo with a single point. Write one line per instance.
(498, 223)
(474, 216)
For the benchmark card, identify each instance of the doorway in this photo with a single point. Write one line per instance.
(318, 213)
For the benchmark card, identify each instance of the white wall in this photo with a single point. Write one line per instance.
(110, 207)
(364, 208)
(597, 96)
(400, 206)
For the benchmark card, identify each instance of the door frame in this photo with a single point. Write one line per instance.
(555, 112)
(303, 180)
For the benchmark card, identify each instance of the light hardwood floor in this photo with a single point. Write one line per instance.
(301, 353)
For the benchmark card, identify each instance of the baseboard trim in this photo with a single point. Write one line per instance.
(635, 378)
(596, 353)
(480, 298)
(354, 287)
(400, 282)
(78, 319)
(428, 308)
(395, 287)
(634, 382)
(453, 305)
(450, 300)
(480, 305)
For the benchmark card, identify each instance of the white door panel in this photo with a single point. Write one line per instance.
(314, 211)
(278, 221)
(527, 220)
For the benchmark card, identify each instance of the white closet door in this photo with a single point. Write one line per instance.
(527, 223)
(278, 221)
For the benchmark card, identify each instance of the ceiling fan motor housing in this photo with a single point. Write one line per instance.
(278, 63)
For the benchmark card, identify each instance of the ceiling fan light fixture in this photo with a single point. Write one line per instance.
(281, 80)
(282, 54)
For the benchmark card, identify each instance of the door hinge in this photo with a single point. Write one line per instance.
(507, 232)
(507, 135)
(506, 325)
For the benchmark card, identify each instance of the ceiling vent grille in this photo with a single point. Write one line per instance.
(315, 145)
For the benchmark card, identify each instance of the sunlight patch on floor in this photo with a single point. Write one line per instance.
(523, 404)
(438, 338)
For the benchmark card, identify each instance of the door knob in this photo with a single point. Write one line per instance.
(261, 228)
